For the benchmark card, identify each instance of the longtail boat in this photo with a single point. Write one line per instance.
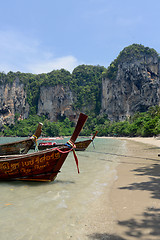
(83, 145)
(42, 165)
(80, 146)
(22, 146)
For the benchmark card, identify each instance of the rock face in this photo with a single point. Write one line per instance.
(12, 100)
(135, 88)
(56, 102)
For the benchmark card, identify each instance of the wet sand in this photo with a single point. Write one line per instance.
(129, 209)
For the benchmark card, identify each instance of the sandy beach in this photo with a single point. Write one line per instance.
(129, 209)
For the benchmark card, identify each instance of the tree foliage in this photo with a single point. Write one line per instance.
(146, 124)
(86, 84)
(128, 54)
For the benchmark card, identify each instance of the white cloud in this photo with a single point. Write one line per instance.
(24, 54)
(68, 63)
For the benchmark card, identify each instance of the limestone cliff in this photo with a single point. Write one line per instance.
(135, 87)
(130, 84)
(56, 102)
(12, 100)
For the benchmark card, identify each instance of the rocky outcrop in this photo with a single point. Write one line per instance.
(56, 102)
(12, 100)
(136, 87)
(130, 84)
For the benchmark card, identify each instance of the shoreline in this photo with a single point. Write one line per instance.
(146, 140)
(129, 208)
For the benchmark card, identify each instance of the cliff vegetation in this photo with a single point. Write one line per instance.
(145, 124)
(128, 54)
(85, 82)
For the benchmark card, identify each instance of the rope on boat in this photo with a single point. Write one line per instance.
(34, 137)
(72, 147)
(93, 144)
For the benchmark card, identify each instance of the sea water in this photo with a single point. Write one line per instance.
(53, 210)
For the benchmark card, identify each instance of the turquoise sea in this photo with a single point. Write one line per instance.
(47, 211)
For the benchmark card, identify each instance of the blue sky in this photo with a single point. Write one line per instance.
(38, 36)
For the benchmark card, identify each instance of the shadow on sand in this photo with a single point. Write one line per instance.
(149, 225)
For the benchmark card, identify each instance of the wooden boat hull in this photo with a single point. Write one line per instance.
(80, 146)
(40, 166)
(20, 147)
(83, 145)
(16, 147)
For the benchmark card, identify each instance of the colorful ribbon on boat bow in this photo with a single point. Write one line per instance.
(72, 147)
(74, 153)
(76, 159)
(34, 137)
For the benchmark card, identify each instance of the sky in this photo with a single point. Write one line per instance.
(39, 36)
